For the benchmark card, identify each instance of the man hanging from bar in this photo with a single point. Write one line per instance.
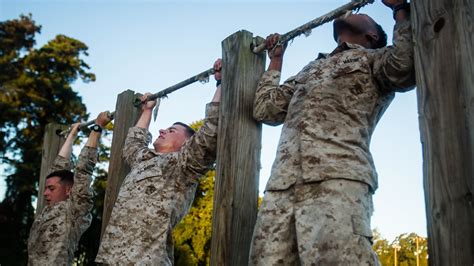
(318, 200)
(56, 231)
(160, 188)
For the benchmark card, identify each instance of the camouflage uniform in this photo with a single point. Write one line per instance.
(318, 200)
(156, 195)
(57, 229)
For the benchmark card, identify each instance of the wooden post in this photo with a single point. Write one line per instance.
(126, 115)
(52, 143)
(444, 58)
(238, 153)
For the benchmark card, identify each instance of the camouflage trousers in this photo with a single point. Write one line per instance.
(324, 223)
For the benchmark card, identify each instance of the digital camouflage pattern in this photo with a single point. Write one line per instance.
(309, 224)
(329, 110)
(57, 230)
(156, 195)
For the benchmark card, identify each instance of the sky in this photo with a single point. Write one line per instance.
(149, 45)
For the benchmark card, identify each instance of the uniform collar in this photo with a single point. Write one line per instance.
(340, 48)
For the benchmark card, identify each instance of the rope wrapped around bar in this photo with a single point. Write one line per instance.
(305, 28)
(203, 76)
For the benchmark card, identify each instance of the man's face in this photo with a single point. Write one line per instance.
(55, 191)
(356, 28)
(170, 139)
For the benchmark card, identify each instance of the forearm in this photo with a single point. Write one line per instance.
(276, 63)
(66, 149)
(93, 140)
(402, 15)
(145, 119)
(217, 94)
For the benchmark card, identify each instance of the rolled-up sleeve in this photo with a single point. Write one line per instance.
(271, 99)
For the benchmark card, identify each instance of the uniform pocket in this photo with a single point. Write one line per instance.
(345, 69)
(361, 226)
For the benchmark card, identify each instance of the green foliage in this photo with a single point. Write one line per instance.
(406, 250)
(35, 89)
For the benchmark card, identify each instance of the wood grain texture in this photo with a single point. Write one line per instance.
(444, 58)
(52, 143)
(126, 115)
(238, 153)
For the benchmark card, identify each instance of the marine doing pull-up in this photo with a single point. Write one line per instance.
(318, 200)
(160, 187)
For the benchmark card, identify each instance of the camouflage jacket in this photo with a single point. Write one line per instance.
(330, 110)
(156, 195)
(57, 229)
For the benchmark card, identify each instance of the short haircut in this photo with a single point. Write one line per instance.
(382, 41)
(188, 130)
(66, 177)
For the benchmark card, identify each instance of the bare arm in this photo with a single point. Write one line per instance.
(66, 149)
(147, 109)
(275, 52)
(63, 160)
(218, 77)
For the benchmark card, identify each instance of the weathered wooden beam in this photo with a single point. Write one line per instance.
(52, 143)
(238, 153)
(126, 115)
(444, 58)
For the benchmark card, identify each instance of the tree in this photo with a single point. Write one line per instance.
(383, 249)
(35, 89)
(408, 252)
(406, 249)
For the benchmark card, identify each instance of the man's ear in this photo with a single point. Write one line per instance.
(68, 190)
(373, 37)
